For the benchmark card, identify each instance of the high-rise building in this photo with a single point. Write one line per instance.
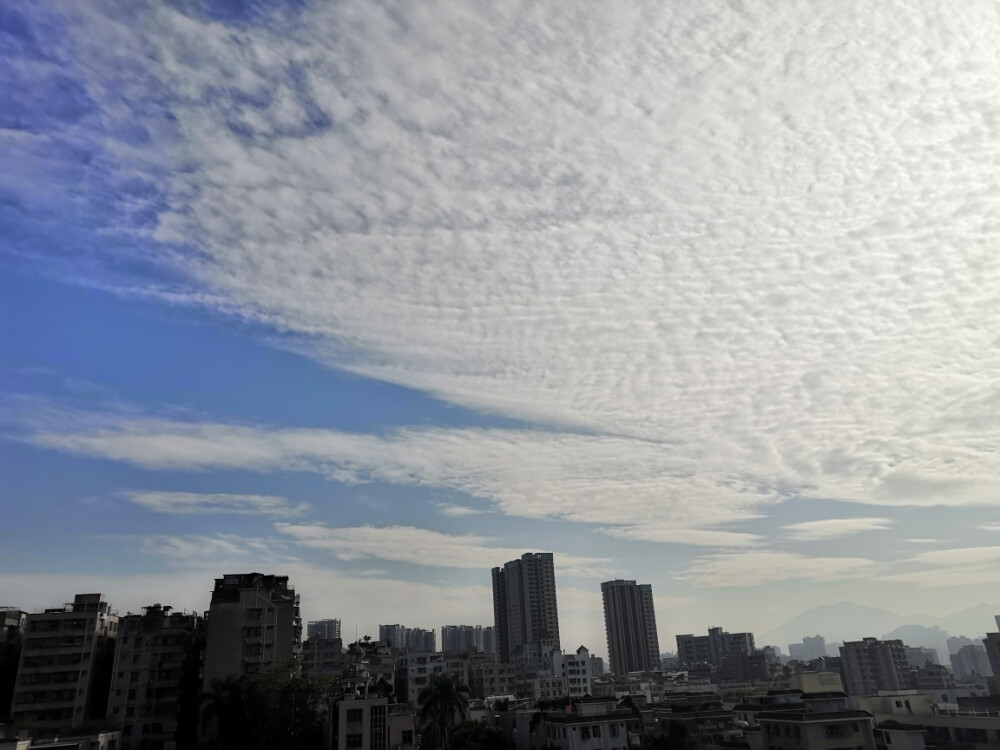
(253, 623)
(992, 645)
(328, 629)
(870, 665)
(714, 647)
(394, 635)
(418, 639)
(13, 621)
(489, 640)
(156, 678)
(462, 637)
(65, 666)
(971, 661)
(810, 648)
(630, 623)
(525, 613)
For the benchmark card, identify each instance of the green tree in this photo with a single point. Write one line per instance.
(440, 705)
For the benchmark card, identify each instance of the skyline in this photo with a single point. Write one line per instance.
(379, 297)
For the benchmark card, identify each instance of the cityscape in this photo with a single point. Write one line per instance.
(160, 678)
(497, 375)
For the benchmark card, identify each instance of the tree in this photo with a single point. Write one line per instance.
(475, 735)
(443, 702)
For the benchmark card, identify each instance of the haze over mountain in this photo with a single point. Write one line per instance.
(846, 621)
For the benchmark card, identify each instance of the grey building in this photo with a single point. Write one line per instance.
(418, 639)
(810, 648)
(13, 622)
(253, 623)
(525, 613)
(462, 638)
(329, 629)
(157, 668)
(394, 635)
(714, 647)
(971, 660)
(870, 665)
(630, 625)
(65, 665)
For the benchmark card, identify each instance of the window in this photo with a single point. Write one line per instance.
(596, 731)
(354, 740)
(407, 736)
(613, 730)
(584, 733)
(899, 704)
(354, 715)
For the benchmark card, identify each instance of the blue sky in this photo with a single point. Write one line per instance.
(380, 296)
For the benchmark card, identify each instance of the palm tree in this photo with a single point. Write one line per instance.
(442, 704)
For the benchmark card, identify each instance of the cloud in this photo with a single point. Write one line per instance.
(742, 569)
(926, 540)
(809, 531)
(202, 504)
(425, 547)
(962, 566)
(746, 255)
(672, 535)
(457, 511)
(525, 473)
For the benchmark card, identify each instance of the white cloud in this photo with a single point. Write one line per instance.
(426, 547)
(673, 535)
(832, 528)
(202, 504)
(526, 473)
(456, 511)
(776, 263)
(766, 566)
(926, 540)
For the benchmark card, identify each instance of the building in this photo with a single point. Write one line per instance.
(810, 648)
(992, 645)
(918, 656)
(13, 621)
(64, 671)
(714, 647)
(575, 668)
(253, 624)
(156, 677)
(630, 625)
(870, 665)
(414, 670)
(462, 637)
(971, 660)
(526, 616)
(489, 640)
(393, 635)
(323, 656)
(418, 639)
(329, 629)
(809, 729)
(374, 724)
(595, 724)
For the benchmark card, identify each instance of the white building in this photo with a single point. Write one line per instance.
(374, 724)
(576, 671)
(592, 725)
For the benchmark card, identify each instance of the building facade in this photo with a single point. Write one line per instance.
(374, 724)
(253, 623)
(329, 629)
(870, 665)
(630, 624)
(714, 647)
(462, 638)
(64, 670)
(156, 677)
(526, 616)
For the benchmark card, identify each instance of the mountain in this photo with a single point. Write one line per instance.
(835, 622)
(920, 635)
(847, 621)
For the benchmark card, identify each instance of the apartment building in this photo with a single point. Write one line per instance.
(64, 670)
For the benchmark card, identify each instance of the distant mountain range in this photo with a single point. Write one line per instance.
(850, 622)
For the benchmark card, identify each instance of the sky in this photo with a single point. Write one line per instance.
(381, 295)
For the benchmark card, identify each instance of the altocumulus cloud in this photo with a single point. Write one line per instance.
(180, 503)
(759, 246)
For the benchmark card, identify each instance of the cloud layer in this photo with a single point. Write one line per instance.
(763, 240)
